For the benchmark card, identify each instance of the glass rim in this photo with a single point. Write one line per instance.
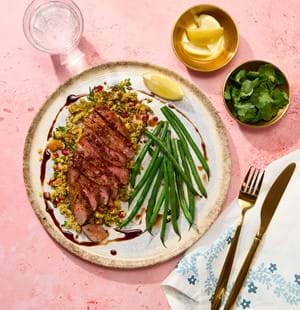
(35, 4)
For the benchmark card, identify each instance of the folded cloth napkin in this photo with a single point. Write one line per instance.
(273, 281)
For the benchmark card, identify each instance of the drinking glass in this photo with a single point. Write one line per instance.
(53, 26)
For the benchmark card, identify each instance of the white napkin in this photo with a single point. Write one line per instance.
(274, 278)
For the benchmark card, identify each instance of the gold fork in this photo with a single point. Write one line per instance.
(247, 197)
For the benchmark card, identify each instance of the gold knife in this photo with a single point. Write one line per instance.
(267, 211)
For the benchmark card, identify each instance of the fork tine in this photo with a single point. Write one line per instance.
(252, 181)
(259, 184)
(253, 185)
(249, 185)
(243, 187)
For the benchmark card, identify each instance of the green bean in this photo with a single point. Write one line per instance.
(180, 129)
(171, 158)
(164, 222)
(191, 197)
(172, 196)
(166, 204)
(173, 150)
(137, 165)
(180, 190)
(193, 167)
(152, 165)
(143, 195)
(150, 151)
(153, 196)
(156, 210)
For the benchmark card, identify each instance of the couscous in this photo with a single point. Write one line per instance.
(133, 113)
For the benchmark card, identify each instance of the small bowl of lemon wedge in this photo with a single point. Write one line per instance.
(205, 38)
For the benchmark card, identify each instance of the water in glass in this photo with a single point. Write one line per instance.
(53, 26)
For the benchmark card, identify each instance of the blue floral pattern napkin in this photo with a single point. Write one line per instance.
(273, 281)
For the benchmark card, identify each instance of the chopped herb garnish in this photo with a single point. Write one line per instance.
(256, 95)
(122, 86)
(72, 147)
(59, 132)
(61, 129)
(91, 95)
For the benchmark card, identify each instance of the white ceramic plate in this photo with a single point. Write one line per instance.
(144, 250)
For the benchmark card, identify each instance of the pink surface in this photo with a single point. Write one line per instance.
(35, 272)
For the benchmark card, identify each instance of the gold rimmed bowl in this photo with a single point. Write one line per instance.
(254, 65)
(231, 38)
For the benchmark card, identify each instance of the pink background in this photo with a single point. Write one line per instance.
(35, 273)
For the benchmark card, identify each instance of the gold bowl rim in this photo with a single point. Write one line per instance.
(275, 119)
(228, 59)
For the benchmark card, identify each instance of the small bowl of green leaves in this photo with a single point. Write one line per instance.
(257, 93)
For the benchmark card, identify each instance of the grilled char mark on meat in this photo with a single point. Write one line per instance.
(92, 147)
(113, 121)
(107, 185)
(109, 137)
(94, 167)
(95, 171)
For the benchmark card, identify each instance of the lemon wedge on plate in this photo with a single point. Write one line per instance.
(163, 86)
(204, 36)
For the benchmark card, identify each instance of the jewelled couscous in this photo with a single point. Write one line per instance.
(92, 155)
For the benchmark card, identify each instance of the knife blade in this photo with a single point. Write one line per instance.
(267, 211)
(274, 196)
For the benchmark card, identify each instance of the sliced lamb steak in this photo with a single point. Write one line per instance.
(94, 170)
(94, 232)
(109, 137)
(113, 121)
(99, 168)
(93, 147)
(79, 205)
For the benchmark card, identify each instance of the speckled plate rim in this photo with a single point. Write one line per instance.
(129, 263)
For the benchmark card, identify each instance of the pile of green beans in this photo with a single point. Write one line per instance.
(169, 177)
